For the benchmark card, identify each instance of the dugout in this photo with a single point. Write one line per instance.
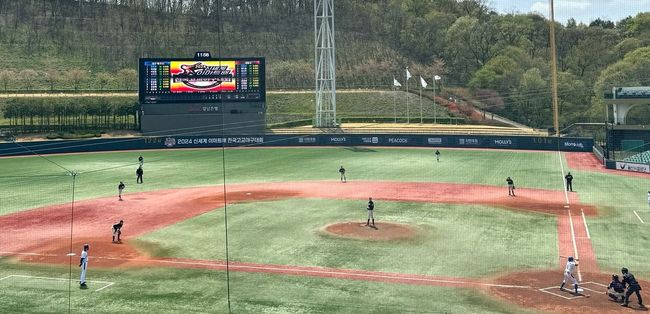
(627, 140)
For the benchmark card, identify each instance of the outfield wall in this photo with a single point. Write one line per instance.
(139, 143)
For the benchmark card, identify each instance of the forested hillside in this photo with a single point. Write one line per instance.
(501, 60)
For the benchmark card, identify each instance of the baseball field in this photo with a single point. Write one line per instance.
(274, 230)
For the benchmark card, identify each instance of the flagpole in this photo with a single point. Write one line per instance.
(408, 113)
(394, 100)
(435, 117)
(420, 101)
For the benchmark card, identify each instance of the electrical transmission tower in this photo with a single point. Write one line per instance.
(325, 53)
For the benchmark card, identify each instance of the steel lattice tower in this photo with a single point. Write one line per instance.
(325, 57)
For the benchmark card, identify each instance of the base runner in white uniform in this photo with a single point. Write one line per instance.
(568, 274)
(83, 263)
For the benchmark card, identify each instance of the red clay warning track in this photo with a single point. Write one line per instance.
(44, 235)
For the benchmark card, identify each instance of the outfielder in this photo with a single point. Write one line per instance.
(648, 198)
(83, 263)
(342, 172)
(139, 174)
(371, 208)
(437, 155)
(117, 231)
(568, 274)
(141, 161)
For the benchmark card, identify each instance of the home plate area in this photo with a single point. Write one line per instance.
(584, 290)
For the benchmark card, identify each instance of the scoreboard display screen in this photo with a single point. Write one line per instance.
(202, 80)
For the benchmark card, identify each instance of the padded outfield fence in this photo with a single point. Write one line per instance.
(470, 141)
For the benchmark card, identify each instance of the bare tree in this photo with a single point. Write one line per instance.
(129, 77)
(6, 76)
(27, 77)
(52, 77)
(76, 76)
(104, 79)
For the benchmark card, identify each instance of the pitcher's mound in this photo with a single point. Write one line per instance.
(383, 231)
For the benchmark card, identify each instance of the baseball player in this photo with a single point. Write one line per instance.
(437, 155)
(648, 198)
(342, 172)
(83, 263)
(511, 186)
(120, 189)
(371, 208)
(141, 161)
(615, 289)
(139, 174)
(117, 231)
(569, 178)
(568, 274)
(632, 287)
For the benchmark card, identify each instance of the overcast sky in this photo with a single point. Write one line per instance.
(581, 10)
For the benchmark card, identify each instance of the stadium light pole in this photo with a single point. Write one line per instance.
(325, 64)
(556, 123)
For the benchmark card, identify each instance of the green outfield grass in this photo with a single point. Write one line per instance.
(464, 240)
(170, 290)
(99, 173)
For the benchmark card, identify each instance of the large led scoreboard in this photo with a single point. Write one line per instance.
(210, 80)
(202, 96)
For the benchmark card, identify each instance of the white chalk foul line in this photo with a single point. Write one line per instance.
(108, 283)
(585, 222)
(307, 271)
(575, 247)
(566, 193)
(637, 216)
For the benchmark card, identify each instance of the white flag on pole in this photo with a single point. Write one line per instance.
(396, 83)
(423, 82)
(437, 78)
(408, 74)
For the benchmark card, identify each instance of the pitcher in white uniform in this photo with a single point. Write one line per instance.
(568, 274)
(83, 263)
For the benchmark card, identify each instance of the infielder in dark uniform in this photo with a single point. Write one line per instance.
(120, 188)
(371, 208)
(342, 172)
(569, 178)
(632, 287)
(511, 186)
(139, 174)
(117, 231)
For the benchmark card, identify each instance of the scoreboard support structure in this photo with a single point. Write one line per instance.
(202, 96)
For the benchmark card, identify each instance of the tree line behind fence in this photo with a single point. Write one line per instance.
(65, 114)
